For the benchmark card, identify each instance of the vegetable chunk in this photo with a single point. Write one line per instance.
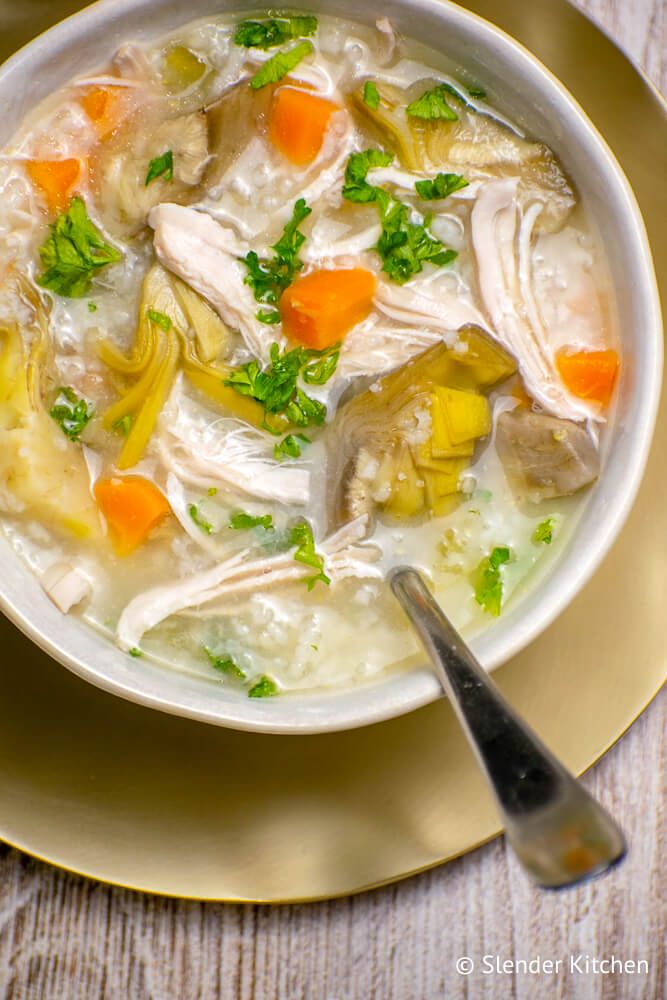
(589, 374)
(298, 123)
(55, 179)
(320, 308)
(132, 506)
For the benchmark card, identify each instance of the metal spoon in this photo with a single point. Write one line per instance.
(560, 834)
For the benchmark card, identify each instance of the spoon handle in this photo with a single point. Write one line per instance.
(560, 834)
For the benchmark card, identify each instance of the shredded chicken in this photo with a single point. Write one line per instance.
(448, 313)
(225, 453)
(345, 554)
(205, 254)
(505, 283)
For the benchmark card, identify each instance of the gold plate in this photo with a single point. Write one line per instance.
(134, 797)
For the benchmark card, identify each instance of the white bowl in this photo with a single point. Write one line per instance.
(525, 90)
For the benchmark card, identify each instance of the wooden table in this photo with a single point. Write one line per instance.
(67, 938)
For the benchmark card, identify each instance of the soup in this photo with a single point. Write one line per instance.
(285, 303)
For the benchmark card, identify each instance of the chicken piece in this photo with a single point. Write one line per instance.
(205, 255)
(545, 457)
(66, 585)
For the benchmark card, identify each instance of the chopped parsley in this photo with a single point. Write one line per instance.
(92, 308)
(319, 372)
(123, 425)
(243, 522)
(71, 412)
(404, 245)
(268, 278)
(371, 95)
(440, 187)
(161, 166)
(290, 447)
(276, 386)
(225, 664)
(280, 65)
(263, 688)
(544, 532)
(212, 491)
(136, 652)
(74, 252)
(273, 31)
(301, 536)
(489, 582)
(433, 106)
(476, 91)
(356, 187)
(159, 319)
(199, 520)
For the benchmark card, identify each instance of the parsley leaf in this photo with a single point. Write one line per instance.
(289, 447)
(406, 246)
(243, 522)
(136, 652)
(225, 664)
(433, 106)
(269, 278)
(273, 31)
(276, 386)
(264, 688)
(161, 166)
(280, 65)
(92, 308)
(301, 536)
(70, 412)
(74, 252)
(123, 425)
(544, 532)
(160, 319)
(356, 187)
(371, 95)
(440, 187)
(201, 522)
(489, 582)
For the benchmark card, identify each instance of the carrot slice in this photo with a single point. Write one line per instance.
(298, 122)
(55, 179)
(105, 106)
(132, 506)
(321, 307)
(589, 374)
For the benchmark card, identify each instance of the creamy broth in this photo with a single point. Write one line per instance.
(248, 366)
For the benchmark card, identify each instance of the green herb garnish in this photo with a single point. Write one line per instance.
(433, 106)
(276, 386)
(404, 246)
(264, 688)
(488, 580)
(477, 92)
(212, 491)
(301, 536)
(440, 187)
(161, 166)
(92, 307)
(243, 522)
(290, 447)
(71, 412)
(371, 95)
(544, 532)
(74, 252)
(280, 65)
(268, 278)
(273, 31)
(123, 425)
(201, 522)
(159, 319)
(136, 652)
(225, 664)
(356, 187)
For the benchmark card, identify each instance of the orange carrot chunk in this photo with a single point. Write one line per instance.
(589, 374)
(321, 307)
(297, 123)
(105, 106)
(55, 179)
(132, 506)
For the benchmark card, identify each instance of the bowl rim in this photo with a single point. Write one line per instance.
(325, 710)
